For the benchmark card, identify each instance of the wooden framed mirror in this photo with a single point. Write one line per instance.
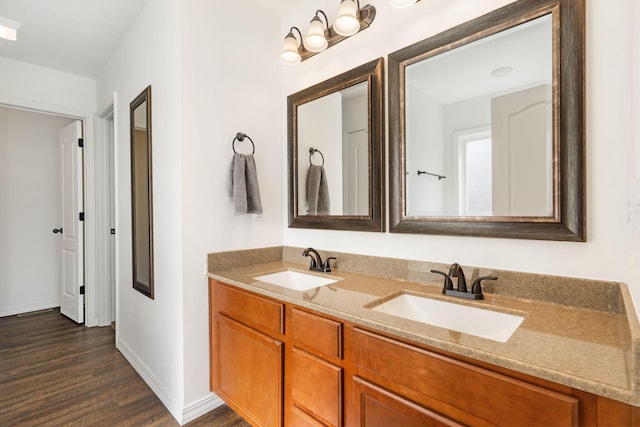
(336, 152)
(141, 193)
(487, 126)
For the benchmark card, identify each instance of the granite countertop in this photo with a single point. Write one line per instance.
(594, 350)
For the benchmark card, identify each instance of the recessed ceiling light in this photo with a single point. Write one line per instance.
(502, 71)
(9, 28)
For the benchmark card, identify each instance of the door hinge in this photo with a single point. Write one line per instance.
(81, 216)
(80, 142)
(113, 231)
(82, 290)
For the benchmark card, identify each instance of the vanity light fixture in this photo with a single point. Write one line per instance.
(290, 48)
(351, 20)
(347, 23)
(316, 40)
(400, 4)
(9, 29)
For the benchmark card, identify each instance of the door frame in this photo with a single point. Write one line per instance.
(91, 249)
(106, 135)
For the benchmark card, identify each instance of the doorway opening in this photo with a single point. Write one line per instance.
(96, 227)
(38, 268)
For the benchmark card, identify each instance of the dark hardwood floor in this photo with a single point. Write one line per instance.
(54, 372)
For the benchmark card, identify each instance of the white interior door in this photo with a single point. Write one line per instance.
(356, 173)
(72, 246)
(521, 125)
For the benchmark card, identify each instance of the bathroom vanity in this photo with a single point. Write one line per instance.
(324, 356)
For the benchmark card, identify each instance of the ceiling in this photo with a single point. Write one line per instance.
(466, 72)
(79, 36)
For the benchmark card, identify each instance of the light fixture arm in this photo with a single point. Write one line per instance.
(299, 32)
(358, 11)
(326, 20)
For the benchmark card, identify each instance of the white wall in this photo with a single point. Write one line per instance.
(212, 75)
(29, 211)
(428, 152)
(633, 147)
(230, 84)
(149, 332)
(606, 253)
(42, 88)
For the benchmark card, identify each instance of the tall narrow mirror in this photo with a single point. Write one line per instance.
(487, 126)
(141, 193)
(336, 152)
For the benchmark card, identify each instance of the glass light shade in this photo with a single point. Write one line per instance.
(401, 3)
(315, 41)
(290, 54)
(347, 23)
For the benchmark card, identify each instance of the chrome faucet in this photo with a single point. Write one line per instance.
(316, 263)
(455, 271)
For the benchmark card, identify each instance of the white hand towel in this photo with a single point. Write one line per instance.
(243, 186)
(317, 191)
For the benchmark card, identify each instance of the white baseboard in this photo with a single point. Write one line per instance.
(181, 414)
(27, 308)
(200, 407)
(147, 375)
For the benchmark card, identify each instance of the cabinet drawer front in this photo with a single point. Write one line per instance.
(487, 395)
(259, 312)
(316, 386)
(298, 418)
(316, 332)
(377, 407)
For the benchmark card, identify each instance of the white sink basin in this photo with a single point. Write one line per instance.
(469, 320)
(295, 280)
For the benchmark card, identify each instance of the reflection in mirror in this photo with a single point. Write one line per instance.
(339, 148)
(486, 123)
(335, 152)
(486, 128)
(141, 200)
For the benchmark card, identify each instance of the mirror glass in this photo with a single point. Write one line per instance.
(335, 152)
(333, 136)
(141, 200)
(479, 139)
(485, 127)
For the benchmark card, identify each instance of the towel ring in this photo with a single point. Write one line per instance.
(240, 137)
(312, 151)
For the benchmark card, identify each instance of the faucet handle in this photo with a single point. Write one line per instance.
(326, 267)
(448, 284)
(476, 288)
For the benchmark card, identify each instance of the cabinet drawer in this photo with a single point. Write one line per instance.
(256, 311)
(297, 418)
(316, 386)
(316, 332)
(446, 382)
(377, 407)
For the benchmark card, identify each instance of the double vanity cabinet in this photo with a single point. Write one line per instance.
(277, 362)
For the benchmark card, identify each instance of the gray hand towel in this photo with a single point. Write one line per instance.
(317, 191)
(243, 187)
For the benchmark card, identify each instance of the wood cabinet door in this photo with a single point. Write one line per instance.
(249, 372)
(377, 407)
(316, 386)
